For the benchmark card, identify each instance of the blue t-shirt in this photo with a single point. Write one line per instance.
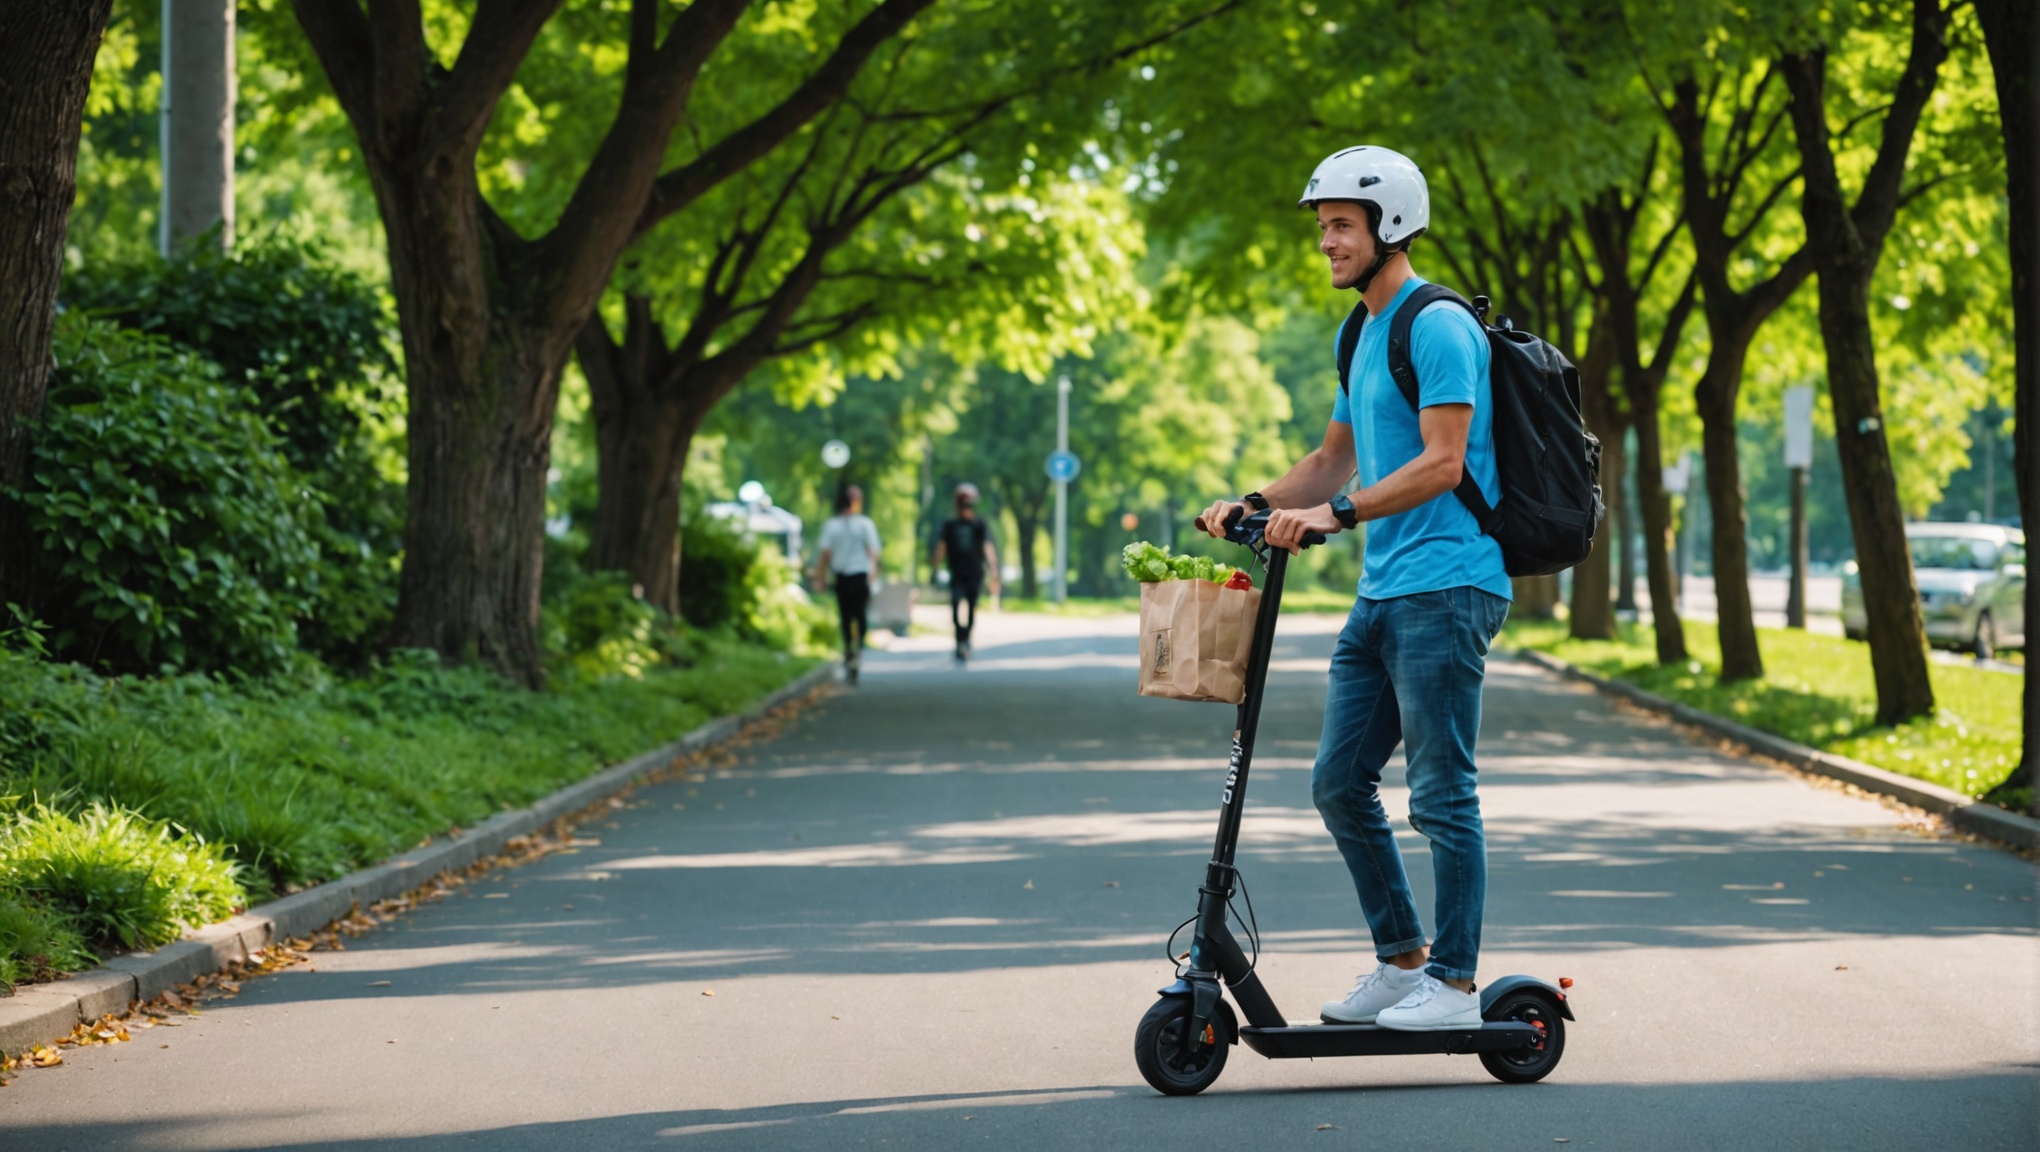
(1437, 544)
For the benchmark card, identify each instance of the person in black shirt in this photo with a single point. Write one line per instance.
(965, 543)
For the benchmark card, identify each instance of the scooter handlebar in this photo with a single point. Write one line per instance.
(1250, 528)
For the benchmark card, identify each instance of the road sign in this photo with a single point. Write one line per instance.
(1799, 427)
(835, 454)
(1063, 466)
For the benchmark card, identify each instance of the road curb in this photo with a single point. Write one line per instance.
(1986, 820)
(45, 1013)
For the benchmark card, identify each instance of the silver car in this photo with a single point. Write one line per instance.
(1972, 580)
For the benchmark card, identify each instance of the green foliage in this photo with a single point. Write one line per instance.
(35, 943)
(1818, 690)
(307, 340)
(1151, 564)
(125, 881)
(170, 528)
(295, 781)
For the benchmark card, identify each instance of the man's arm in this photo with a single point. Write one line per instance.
(992, 562)
(1314, 479)
(822, 568)
(1434, 472)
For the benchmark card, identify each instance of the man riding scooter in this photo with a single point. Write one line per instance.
(1411, 660)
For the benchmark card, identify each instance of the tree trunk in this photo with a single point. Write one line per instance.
(1536, 597)
(642, 432)
(1593, 614)
(1891, 600)
(1027, 523)
(483, 381)
(2011, 29)
(46, 53)
(1658, 543)
(1846, 244)
(1623, 528)
(1715, 397)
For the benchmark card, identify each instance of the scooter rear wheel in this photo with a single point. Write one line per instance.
(1527, 1065)
(1161, 1047)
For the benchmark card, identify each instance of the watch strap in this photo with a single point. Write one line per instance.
(1256, 501)
(1343, 510)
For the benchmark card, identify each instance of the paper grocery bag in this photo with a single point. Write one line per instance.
(1195, 637)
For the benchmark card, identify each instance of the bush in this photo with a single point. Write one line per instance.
(123, 880)
(170, 529)
(729, 580)
(309, 341)
(715, 568)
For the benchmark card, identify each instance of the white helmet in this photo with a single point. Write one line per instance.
(1387, 180)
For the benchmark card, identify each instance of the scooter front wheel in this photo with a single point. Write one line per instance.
(1163, 1051)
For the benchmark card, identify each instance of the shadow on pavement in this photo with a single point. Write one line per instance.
(1471, 1115)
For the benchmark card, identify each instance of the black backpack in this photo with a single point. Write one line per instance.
(1549, 464)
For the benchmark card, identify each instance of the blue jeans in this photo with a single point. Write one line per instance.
(1409, 670)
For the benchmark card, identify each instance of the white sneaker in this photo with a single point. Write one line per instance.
(1381, 988)
(1434, 1006)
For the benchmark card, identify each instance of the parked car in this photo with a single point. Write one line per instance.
(1972, 581)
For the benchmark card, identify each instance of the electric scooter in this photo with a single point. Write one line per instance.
(1182, 1042)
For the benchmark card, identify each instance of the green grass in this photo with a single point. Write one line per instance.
(1818, 691)
(295, 782)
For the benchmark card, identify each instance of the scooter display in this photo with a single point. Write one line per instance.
(1182, 1043)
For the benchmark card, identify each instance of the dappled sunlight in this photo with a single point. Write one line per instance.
(892, 854)
(1264, 827)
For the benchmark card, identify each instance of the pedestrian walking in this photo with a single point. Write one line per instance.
(1410, 663)
(965, 544)
(848, 556)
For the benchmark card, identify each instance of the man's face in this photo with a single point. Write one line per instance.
(856, 497)
(1345, 239)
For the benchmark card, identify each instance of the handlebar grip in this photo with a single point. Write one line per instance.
(1313, 539)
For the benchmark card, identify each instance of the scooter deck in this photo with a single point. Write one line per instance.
(1312, 1040)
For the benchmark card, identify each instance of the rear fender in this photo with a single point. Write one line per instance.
(1508, 984)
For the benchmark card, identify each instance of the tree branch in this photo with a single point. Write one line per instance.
(682, 186)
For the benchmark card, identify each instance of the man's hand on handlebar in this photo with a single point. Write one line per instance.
(1214, 520)
(1287, 526)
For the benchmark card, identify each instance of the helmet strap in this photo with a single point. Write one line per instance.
(1382, 255)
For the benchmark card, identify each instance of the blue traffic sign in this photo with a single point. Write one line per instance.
(1063, 466)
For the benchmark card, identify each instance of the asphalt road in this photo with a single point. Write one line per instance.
(931, 913)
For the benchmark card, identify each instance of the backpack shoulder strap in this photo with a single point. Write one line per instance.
(1403, 369)
(1349, 340)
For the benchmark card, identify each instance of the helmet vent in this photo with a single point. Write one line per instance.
(1398, 219)
(1369, 181)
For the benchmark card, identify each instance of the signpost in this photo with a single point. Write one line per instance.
(1062, 468)
(1798, 458)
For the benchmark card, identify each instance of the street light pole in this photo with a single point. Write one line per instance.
(1062, 492)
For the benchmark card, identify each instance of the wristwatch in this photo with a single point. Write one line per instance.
(1256, 501)
(1343, 509)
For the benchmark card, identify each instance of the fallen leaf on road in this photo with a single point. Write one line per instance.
(1841, 967)
(1112, 883)
(1328, 1127)
(708, 991)
(1029, 885)
(568, 907)
(495, 895)
(378, 983)
(43, 1057)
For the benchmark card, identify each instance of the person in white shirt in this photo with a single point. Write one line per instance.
(849, 557)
